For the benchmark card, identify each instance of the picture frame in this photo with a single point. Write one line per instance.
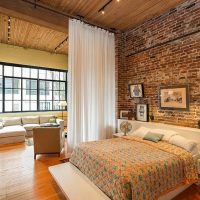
(142, 112)
(175, 97)
(136, 90)
(124, 114)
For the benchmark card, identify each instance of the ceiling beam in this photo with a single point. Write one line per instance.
(36, 15)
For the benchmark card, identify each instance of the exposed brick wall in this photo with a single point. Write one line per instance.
(163, 51)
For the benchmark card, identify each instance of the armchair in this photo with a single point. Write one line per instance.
(48, 140)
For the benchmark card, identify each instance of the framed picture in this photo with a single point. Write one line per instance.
(124, 114)
(136, 90)
(174, 97)
(142, 112)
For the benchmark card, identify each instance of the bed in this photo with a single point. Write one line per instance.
(132, 168)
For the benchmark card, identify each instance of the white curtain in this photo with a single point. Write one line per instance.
(91, 83)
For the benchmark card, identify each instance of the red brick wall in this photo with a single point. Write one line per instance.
(163, 51)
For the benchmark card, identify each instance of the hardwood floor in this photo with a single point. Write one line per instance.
(22, 178)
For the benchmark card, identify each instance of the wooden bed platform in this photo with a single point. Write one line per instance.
(76, 186)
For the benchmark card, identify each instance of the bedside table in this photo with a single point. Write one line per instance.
(117, 135)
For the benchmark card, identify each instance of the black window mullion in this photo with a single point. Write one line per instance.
(3, 92)
(21, 78)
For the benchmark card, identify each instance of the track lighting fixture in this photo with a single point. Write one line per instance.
(102, 9)
(9, 27)
(61, 45)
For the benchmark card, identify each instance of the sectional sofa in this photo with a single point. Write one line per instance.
(14, 129)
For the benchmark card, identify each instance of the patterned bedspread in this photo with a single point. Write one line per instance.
(131, 168)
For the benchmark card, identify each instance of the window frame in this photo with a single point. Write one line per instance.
(38, 88)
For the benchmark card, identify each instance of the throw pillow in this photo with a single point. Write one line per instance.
(52, 120)
(154, 137)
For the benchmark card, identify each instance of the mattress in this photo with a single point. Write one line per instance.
(131, 168)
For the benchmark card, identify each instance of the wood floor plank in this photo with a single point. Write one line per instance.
(23, 178)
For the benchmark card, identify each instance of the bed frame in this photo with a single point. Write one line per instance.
(76, 186)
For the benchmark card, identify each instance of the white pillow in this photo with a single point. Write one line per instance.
(141, 132)
(45, 118)
(30, 120)
(167, 133)
(182, 142)
(12, 121)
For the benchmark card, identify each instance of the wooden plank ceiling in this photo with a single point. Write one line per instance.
(28, 35)
(122, 15)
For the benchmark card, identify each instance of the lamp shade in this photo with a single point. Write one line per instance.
(62, 103)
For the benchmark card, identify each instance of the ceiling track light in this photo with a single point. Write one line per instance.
(102, 9)
(61, 44)
(9, 27)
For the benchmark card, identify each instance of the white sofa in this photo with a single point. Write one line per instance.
(14, 129)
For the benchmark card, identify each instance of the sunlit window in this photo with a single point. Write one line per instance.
(27, 89)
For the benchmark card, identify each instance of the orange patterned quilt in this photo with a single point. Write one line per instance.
(131, 168)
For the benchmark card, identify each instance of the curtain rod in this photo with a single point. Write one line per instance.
(78, 17)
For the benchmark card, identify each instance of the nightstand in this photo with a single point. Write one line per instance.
(117, 135)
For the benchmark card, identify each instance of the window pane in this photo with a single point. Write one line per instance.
(62, 86)
(26, 105)
(34, 84)
(56, 95)
(1, 94)
(26, 84)
(17, 94)
(17, 71)
(62, 95)
(42, 94)
(42, 74)
(42, 85)
(16, 105)
(1, 82)
(26, 72)
(56, 105)
(48, 95)
(26, 94)
(33, 105)
(8, 106)
(17, 83)
(8, 82)
(34, 73)
(8, 94)
(42, 105)
(56, 75)
(56, 85)
(33, 94)
(63, 76)
(49, 75)
(48, 85)
(8, 71)
(1, 70)
(48, 105)
(1, 108)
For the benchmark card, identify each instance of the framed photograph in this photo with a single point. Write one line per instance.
(124, 114)
(136, 90)
(174, 97)
(142, 112)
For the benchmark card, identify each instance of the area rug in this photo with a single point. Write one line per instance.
(29, 141)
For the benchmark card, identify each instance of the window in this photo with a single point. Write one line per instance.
(1, 89)
(24, 89)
